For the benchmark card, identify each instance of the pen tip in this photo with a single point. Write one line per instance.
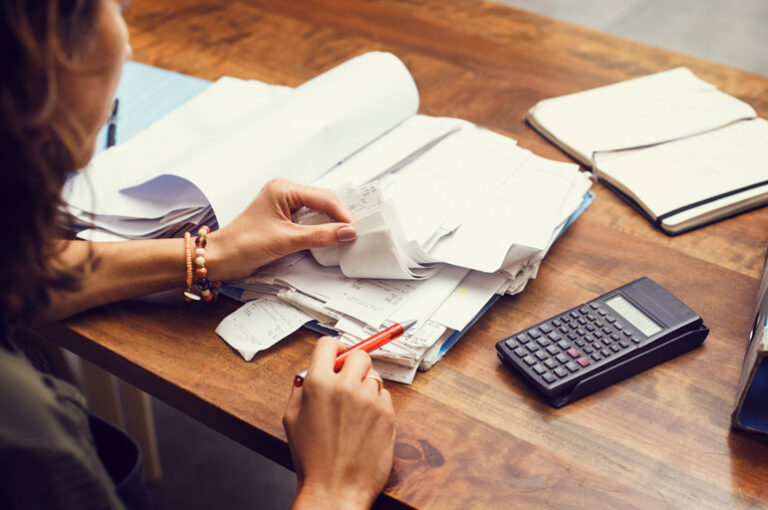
(407, 324)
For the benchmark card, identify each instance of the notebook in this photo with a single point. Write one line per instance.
(679, 151)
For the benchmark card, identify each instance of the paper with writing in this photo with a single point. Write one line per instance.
(260, 324)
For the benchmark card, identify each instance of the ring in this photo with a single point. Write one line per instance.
(378, 380)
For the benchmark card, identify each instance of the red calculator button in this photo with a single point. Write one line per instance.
(584, 362)
(573, 353)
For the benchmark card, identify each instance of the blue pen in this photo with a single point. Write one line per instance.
(112, 126)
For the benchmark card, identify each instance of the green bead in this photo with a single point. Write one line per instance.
(200, 261)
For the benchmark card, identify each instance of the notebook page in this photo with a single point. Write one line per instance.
(672, 175)
(643, 111)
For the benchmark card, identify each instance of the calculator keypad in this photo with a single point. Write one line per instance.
(557, 353)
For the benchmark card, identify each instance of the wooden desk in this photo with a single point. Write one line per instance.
(469, 433)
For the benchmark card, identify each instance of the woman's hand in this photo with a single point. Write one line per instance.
(341, 431)
(265, 231)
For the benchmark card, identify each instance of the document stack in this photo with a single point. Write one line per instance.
(449, 215)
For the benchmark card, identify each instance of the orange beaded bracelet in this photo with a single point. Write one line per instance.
(208, 290)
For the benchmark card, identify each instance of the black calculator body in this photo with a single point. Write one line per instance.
(596, 344)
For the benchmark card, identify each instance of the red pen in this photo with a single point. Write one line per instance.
(369, 344)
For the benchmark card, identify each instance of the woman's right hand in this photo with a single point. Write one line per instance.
(341, 431)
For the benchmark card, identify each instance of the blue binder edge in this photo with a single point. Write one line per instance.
(754, 411)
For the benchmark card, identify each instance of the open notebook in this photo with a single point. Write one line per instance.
(674, 147)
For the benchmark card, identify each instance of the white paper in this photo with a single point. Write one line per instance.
(260, 324)
(647, 110)
(668, 176)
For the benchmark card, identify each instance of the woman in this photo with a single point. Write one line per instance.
(62, 61)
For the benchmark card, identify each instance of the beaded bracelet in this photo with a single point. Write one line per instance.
(208, 290)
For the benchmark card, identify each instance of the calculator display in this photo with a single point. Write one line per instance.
(633, 314)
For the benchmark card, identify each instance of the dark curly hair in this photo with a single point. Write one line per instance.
(39, 39)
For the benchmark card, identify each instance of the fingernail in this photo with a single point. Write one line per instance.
(346, 234)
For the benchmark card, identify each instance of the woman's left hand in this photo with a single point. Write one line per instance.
(265, 231)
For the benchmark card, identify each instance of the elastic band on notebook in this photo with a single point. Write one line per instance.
(677, 211)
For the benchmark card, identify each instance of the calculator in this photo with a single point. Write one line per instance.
(601, 342)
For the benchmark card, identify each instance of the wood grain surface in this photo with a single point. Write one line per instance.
(470, 433)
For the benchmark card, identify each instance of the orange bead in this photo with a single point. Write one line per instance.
(201, 271)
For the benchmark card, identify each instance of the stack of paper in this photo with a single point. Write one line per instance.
(448, 215)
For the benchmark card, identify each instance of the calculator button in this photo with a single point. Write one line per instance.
(534, 334)
(607, 330)
(565, 318)
(581, 332)
(554, 336)
(637, 340)
(593, 306)
(581, 321)
(563, 344)
(615, 347)
(580, 342)
(511, 343)
(596, 346)
(574, 314)
(562, 358)
(529, 360)
(545, 328)
(618, 325)
(583, 311)
(552, 350)
(590, 317)
(573, 336)
(560, 372)
(572, 366)
(605, 352)
(538, 369)
(599, 324)
(596, 356)
(590, 327)
(556, 323)
(541, 355)
(627, 332)
(610, 318)
(601, 312)
(589, 339)
(522, 338)
(624, 343)
(615, 337)
(550, 363)
(532, 346)
(584, 362)
(598, 334)
(587, 349)
(564, 329)
(573, 353)
(607, 341)
(573, 325)
(543, 341)
(549, 378)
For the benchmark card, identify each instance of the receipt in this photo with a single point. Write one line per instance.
(260, 324)
(371, 301)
